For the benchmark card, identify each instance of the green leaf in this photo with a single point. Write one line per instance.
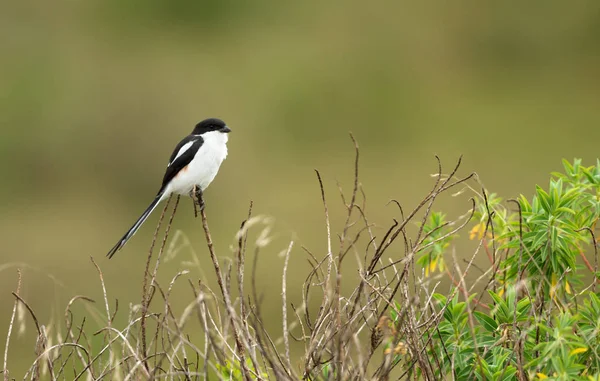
(525, 205)
(441, 299)
(568, 167)
(488, 323)
(509, 373)
(588, 175)
(544, 198)
(563, 209)
(512, 244)
(539, 240)
(458, 309)
(503, 312)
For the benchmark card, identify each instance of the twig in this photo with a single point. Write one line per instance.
(35, 320)
(70, 335)
(145, 296)
(241, 262)
(108, 315)
(490, 222)
(587, 263)
(42, 339)
(338, 283)
(327, 226)
(10, 327)
(471, 319)
(286, 339)
(226, 296)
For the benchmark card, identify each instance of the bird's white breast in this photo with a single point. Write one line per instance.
(204, 166)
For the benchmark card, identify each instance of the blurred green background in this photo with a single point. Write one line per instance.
(94, 95)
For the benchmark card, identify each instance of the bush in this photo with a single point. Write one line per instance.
(532, 314)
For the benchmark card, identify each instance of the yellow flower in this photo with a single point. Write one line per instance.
(401, 349)
(431, 267)
(474, 231)
(578, 351)
(478, 231)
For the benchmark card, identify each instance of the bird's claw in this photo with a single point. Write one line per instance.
(197, 199)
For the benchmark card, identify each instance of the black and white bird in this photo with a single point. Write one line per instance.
(192, 167)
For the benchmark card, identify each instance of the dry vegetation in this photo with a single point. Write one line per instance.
(387, 326)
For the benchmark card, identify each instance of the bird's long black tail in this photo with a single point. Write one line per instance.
(137, 225)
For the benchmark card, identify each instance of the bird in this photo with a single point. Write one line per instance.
(192, 166)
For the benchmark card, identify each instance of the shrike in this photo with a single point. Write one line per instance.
(192, 167)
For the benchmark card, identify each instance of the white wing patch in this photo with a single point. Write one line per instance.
(182, 150)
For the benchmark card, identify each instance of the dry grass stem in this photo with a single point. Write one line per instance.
(376, 315)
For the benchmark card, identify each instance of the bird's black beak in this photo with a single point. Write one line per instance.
(225, 130)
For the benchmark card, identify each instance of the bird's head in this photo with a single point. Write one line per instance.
(211, 124)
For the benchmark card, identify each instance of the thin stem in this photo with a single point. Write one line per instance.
(145, 296)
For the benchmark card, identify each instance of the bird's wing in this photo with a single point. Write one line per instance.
(182, 146)
(182, 156)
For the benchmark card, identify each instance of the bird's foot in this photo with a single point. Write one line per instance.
(198, 200)
(195, 208)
